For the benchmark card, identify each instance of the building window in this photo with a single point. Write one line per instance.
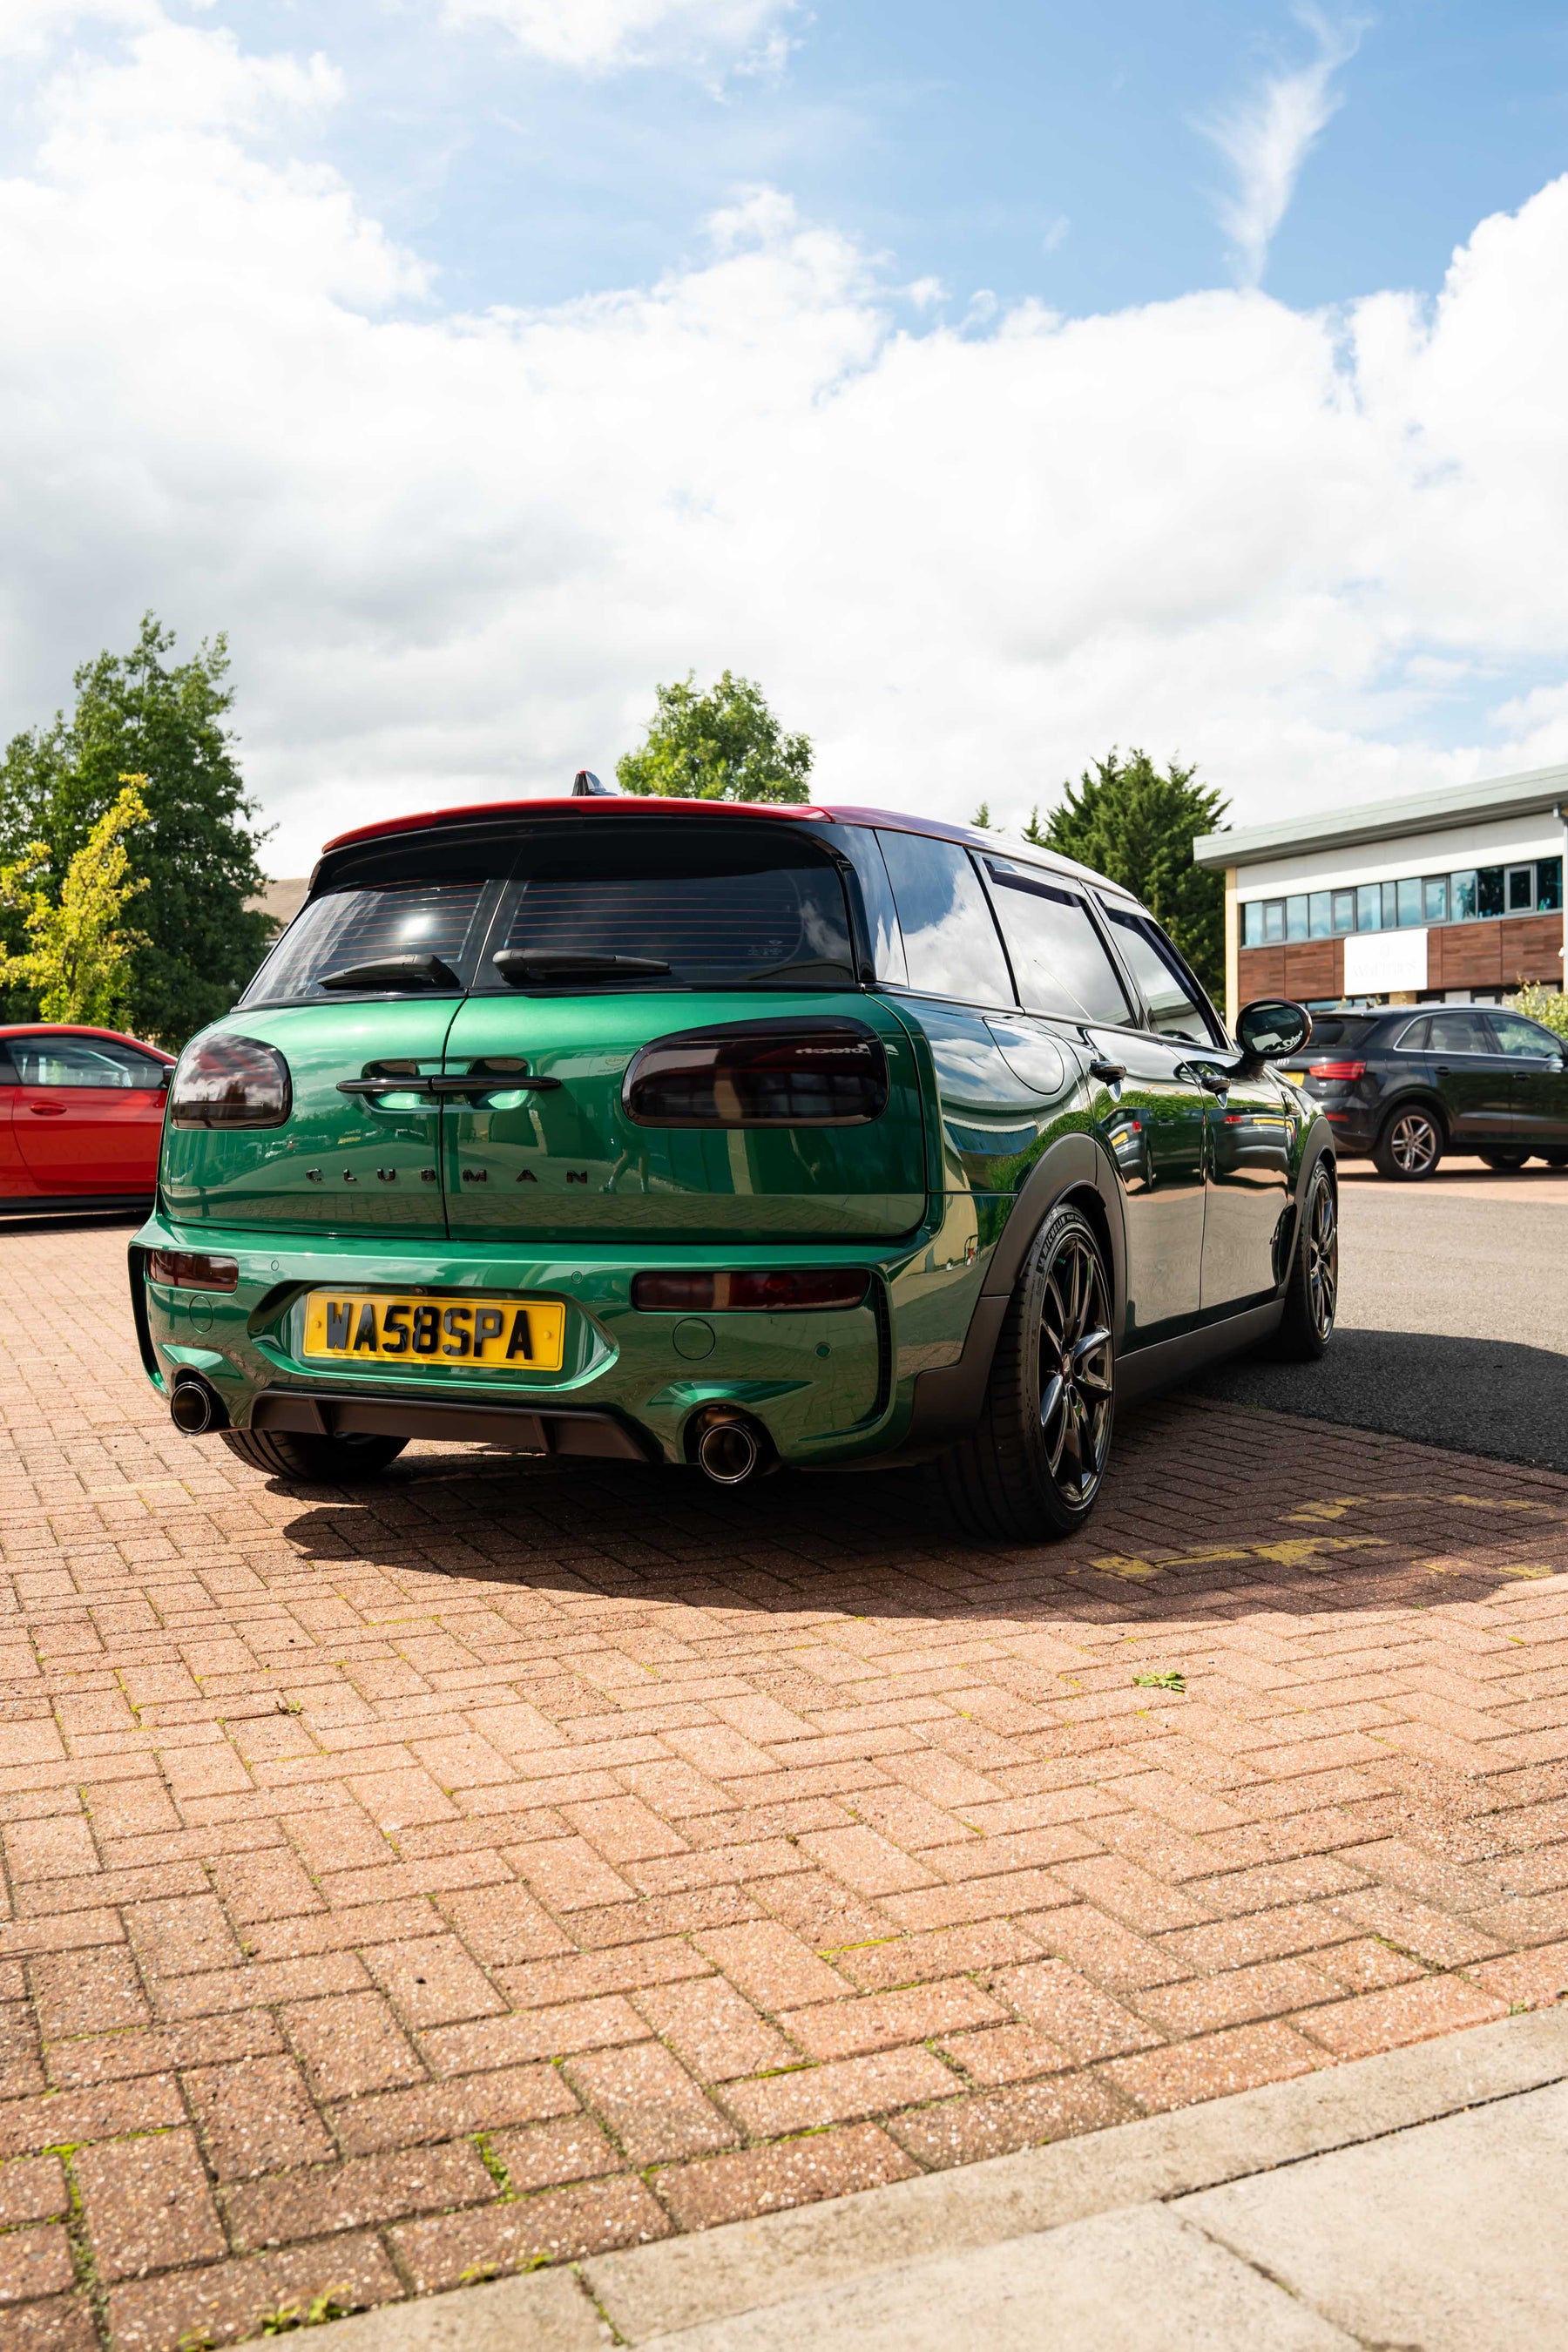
(1252, 923)
(1369, 907)
(1344, 912)
(1320, 918)
(1274, 922)
(1296, 925)
(1409, 903)
(1435, 898)
(1390, 905)
(1488, 890)
(1549, 885)
(1462, 897)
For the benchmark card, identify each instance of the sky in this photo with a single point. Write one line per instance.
(995, 384)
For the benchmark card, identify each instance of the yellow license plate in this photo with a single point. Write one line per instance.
(521, 1335)
(1297, 1078)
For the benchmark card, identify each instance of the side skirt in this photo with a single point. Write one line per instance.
(1165, 1361)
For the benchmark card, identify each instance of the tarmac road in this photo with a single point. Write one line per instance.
(1453, 1325)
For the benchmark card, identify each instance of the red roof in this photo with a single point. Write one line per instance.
(566, 804)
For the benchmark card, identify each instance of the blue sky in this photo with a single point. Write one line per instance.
(478, 363)
(1047, 150)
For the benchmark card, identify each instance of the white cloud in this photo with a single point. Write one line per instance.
(1268, 136)
(455, 554)
(594, 34)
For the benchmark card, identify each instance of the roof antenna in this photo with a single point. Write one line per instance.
(585, 786)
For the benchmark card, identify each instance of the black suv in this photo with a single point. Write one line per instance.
(1410, 1083)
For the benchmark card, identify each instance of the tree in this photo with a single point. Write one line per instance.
(78, 963)
(1137, 825)
(196, 850)
(724, 745)
(981, 820)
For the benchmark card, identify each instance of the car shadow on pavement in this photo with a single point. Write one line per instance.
(1195, 1524)
(1493, 1397)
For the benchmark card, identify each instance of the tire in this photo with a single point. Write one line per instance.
(314, 1461)
(1410, 1146)
(1555, 1159)
(1312, 1285)
(1506, 1161)
(1033, 1464)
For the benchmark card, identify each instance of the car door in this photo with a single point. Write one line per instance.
(87, 1115)
(16, 1182)
(1250, 1121)
(1148, 1105)
(1538, 1075)
(1473, 1077)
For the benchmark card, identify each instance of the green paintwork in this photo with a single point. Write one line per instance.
(556, 1194)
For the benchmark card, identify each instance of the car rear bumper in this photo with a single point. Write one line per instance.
(824, 1384)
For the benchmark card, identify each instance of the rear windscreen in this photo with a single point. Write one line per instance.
(724, 905)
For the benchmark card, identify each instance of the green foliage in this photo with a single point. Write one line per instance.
(195, 852)
(78, 961)
(724, 745)
(981, 820)
(1170, 1680)
(1131, 822)
(1547, 1006)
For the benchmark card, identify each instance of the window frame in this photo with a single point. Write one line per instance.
(1088, 894)
(908, 987)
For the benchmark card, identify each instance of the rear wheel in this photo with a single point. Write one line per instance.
(1555, 1158)
(1032, 1465)
(1313, 1287)
(316, 1461)
(1410, 1145)
(1505, 1159)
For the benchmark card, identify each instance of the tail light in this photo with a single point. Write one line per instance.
(802, 1073)
(781, 1293)
(193, 1270)
(1337, 1070)
(230, 1082)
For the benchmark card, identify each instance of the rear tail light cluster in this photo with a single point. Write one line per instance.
(193, 1270)
(1337, 1070)
(781, 1292)
(230, 1082)
(802, 1073)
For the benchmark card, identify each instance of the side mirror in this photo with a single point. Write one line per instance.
(1272, 1028)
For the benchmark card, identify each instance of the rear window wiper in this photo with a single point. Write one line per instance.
(566, 963)
(393, 971)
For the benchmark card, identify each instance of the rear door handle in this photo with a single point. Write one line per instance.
(47, 1110)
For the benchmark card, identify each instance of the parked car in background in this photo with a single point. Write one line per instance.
(694, 1133)
(1409, 1083)
(81, 1116)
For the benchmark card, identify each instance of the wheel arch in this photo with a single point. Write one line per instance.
(1418, 1098)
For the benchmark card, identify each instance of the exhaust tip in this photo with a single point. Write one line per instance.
(730, 1449)
(195, 1408)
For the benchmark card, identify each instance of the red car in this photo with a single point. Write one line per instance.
(81, 1117)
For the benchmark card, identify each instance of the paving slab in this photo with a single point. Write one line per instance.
(1452, 2237)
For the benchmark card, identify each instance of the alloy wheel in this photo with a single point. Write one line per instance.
(1414, 1143)
(1322, 1257)
(1075, 1383)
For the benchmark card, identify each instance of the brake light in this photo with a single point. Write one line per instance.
(800, 1073)
(1337, 1070)
(192, 1270)
(781, 1293)
(227, 1081)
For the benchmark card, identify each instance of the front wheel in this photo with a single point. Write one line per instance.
(1410, 1146)
(1312, 1285)
(314, 1461)
(1033, 1464)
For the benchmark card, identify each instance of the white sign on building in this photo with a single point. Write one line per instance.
(1380, 964)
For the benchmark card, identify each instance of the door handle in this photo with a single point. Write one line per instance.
(1110, 1071)
(47, 1110)
(1213, 1082)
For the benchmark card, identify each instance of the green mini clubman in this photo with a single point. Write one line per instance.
(680, 1132)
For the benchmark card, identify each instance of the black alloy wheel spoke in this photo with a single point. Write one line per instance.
(1075, 1374)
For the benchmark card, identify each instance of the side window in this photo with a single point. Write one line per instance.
(1460, 1033)
(861, 847)
(1515, 1035)
(1058, 954)
(1416, 1037)
(54, 1061)
(1169, 989)
(950, 938)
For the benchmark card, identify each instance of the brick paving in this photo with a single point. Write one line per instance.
(414, 1883)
